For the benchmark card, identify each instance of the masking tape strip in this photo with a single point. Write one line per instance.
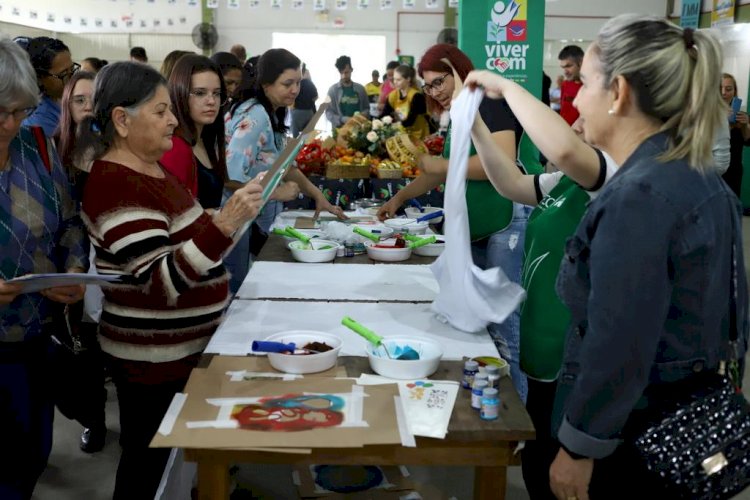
(167, 423)
(239, 376)
(356, 407)
(407, 438)
(212, 424)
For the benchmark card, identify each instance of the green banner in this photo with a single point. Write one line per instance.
(506, 37)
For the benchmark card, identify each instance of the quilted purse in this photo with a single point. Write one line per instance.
(698, 442)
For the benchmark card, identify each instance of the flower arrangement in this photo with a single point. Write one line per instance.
(369, 136)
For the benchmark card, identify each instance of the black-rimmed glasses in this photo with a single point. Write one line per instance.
(216, 95)
(437, 84)
(67, 73)
(17, 114)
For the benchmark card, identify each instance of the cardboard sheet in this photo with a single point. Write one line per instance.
(379, 282)
(249, 320)
(211, 415)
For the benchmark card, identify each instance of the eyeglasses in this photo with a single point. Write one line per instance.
(67, 73)
(81, 100)
(436, 86)
(216, 95)
(17, 114)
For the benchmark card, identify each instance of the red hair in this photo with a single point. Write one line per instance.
(431, 61)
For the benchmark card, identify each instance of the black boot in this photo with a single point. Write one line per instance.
(92, 439)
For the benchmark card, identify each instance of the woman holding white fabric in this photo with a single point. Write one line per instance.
(496, 224)
(560, 199)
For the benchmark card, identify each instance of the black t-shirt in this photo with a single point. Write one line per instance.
(210, 186)
(497, 115)
(308, 93)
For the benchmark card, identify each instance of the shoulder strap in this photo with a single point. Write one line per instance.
(41, 143)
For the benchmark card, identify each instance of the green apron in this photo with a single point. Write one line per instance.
(488, 211)
(544, 318)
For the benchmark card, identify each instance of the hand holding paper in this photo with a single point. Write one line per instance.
(8, 291)
(243, 206)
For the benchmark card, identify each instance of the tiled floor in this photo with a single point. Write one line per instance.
(74, 475)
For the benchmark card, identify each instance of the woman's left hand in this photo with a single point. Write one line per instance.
(323, 205)
(569, 478)
(65, 294)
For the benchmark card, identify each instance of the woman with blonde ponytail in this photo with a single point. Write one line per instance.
(646, 275)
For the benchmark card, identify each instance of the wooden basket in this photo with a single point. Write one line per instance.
(391, 173)
(356, 121)
(401, 148)
(347, 171)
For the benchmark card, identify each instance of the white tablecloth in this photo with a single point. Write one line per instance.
(292, 280)
(249, 320)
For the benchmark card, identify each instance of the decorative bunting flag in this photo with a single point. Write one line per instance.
(410, 4)
(83, 21)
(386, 4)
(233, 4)
(319, 5)
(212, 4)
(453, 4)
(297, 4)
(431, 4)
(33, 14)
(50, 17)
(254, 4)
(342, 4)
(192, 3)
(276, 4)
(157, 23)
(363, 4)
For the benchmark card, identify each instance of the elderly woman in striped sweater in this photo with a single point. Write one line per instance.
(145, 224)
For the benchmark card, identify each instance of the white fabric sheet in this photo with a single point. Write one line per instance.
(389, 282)
(249, 320)
(470, 298)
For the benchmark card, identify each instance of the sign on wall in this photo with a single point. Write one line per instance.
(507, 37)
(691, 13)
(722, 13)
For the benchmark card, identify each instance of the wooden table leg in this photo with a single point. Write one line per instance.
(490, 483)
(213, 481)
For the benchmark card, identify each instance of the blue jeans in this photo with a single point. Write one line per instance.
(504, 249)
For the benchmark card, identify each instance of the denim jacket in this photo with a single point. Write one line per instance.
(647, 279)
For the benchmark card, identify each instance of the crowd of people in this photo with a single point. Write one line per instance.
(154, 173)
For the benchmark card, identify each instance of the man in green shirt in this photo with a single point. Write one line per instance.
(347, 97)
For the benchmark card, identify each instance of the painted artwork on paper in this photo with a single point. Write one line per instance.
(287, 412)
(291, 412)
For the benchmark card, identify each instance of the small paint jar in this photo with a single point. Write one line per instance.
(470, 369)
(490, 404)
(493, 375)
(477, 392)
(481, 375)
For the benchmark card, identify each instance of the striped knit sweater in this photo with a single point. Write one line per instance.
(155, 231)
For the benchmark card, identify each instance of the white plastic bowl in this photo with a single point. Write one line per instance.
(301, 254)
(432, 249)
(387, 254)
(430, 353)
(408, 225)
(304, 363)
(312, 233)
(414, 213)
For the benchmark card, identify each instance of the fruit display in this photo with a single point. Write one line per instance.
(389, 169)
(435, 144)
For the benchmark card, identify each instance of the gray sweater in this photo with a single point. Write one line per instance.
(333, 113)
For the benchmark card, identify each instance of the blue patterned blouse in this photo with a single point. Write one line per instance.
(40, 232)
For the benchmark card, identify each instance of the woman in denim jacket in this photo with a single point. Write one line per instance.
(647, 274)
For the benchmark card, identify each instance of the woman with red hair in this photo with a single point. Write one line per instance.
(497, 225)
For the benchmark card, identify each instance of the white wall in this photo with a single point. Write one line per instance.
(706, 7)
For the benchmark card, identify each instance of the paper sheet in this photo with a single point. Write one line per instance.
(31, 283)
(388, 282)
(249, 320)
(428, 404)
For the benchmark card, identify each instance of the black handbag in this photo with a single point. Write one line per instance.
(74, 365)
(698, 441)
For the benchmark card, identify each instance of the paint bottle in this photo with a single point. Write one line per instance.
(493, 375)
(490, 404)
(481, 375)
(470, 369)
(476, 393)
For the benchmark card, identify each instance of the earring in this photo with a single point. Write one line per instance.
(611, 112)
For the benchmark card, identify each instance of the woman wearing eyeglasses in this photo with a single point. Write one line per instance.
(497, 225)
(53, 66)
(40, 232)
(198, 157)
(255, 132)
(406, 104)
